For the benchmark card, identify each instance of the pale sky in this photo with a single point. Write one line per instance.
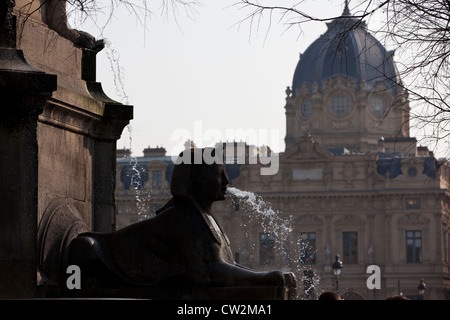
(202, 76)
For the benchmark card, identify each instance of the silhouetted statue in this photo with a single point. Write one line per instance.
(182, 246)
(54, 14)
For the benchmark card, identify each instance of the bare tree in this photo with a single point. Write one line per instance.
(55, 14)
(141, 10)
(418, 29)
(421, 31)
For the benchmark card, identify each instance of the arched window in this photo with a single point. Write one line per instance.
(378, 105)
(340, 104)
(306, 108)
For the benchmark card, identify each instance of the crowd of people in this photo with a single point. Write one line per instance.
(331, 295)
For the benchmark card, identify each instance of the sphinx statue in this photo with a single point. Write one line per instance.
(54, 14)
(183, 246)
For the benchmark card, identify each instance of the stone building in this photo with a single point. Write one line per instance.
(352, 181)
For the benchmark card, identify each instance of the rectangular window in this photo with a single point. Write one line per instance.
(157, 179)
(308, 248)
(350, 247)
(413, 246)
(266, 249)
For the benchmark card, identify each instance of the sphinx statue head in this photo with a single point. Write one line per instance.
(198, 180)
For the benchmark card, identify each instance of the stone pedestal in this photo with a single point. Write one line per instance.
(23, 92)
(58, 133)
(192, 293)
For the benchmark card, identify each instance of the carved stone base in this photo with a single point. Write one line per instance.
(100, 279)
(195, 293)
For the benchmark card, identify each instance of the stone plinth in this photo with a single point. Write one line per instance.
(23, 92)
(58, 134)
(193, 293)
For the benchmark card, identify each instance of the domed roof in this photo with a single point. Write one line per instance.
(346, 49)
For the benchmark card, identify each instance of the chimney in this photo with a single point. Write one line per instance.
(154, 152)
(123, 153)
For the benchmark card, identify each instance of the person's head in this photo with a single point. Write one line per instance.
(397, 297)
(199, 174)
(329, 295)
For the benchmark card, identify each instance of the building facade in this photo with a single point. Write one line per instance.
(143, 184)
(351, 183)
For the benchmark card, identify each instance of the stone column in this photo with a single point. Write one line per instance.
(105, 133)
(76, 137)
(23, 92)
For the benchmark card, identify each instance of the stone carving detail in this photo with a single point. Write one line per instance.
(60, 223)
(413, 219)
(308, 219)
(349, 173)
(288, 92)
(307, 148)
(338, 81)
(350, 220)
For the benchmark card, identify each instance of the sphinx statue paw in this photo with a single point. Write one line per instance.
(277, 278)
(88, 41)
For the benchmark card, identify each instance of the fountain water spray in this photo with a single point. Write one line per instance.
(119, 87)
(270, 219)
(261, 213)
